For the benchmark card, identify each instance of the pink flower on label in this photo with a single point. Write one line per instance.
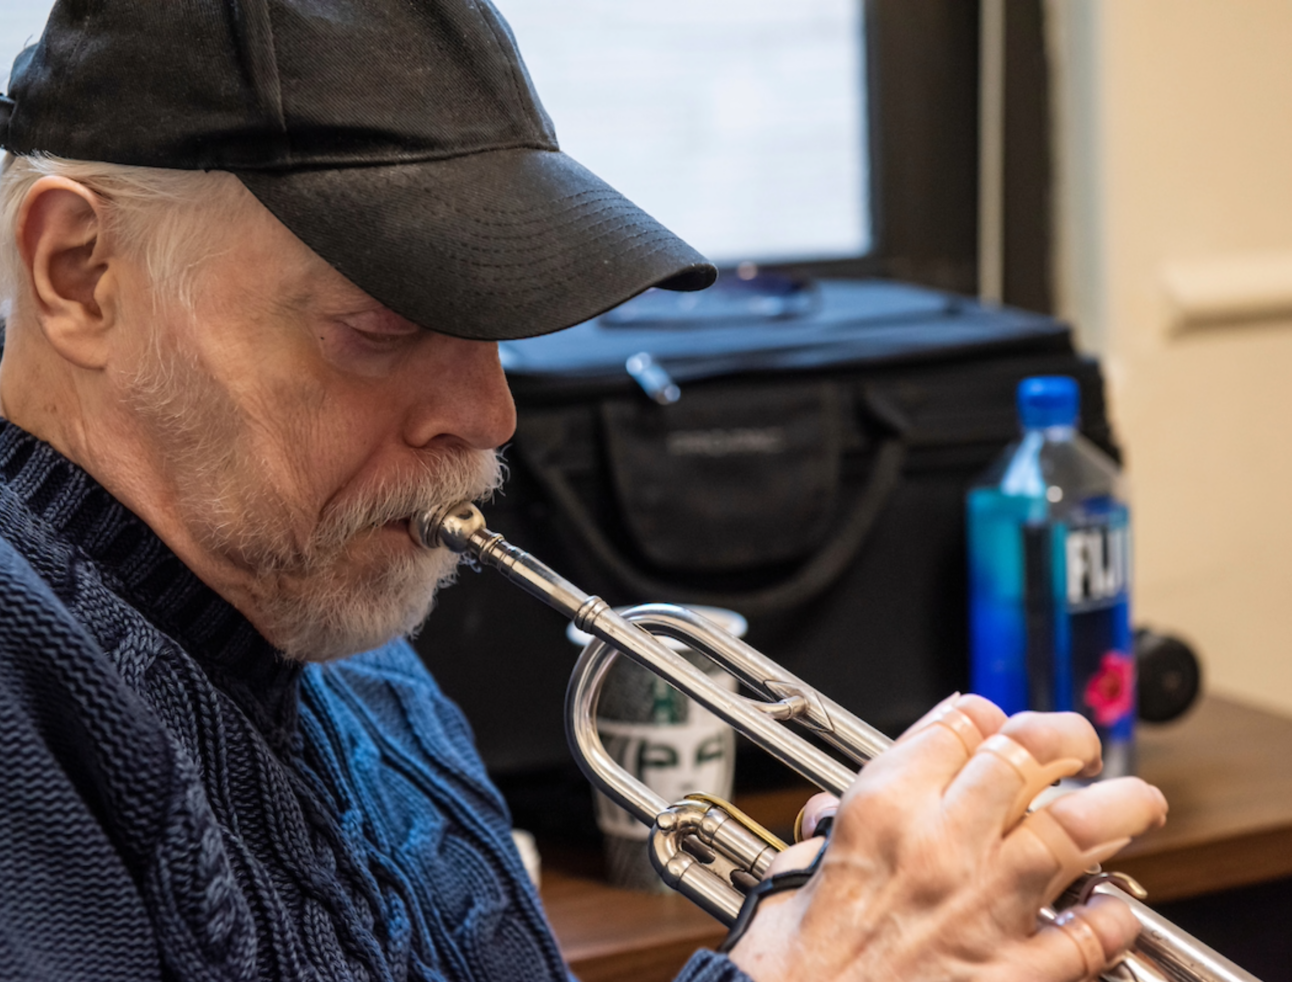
(1110, 693)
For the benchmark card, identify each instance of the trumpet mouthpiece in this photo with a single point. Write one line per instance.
(450, 528)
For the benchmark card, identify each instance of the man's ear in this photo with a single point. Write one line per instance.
(67, 264)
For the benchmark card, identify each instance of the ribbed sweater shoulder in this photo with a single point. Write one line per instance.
(181, 802)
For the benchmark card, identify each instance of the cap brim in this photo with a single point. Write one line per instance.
(492, 246)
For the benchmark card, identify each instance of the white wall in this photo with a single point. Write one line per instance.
(1175, 195)
(21, 23)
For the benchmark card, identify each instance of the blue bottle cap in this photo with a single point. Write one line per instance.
(1048, 400)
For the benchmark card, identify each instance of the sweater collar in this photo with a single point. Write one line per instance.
(74, 508)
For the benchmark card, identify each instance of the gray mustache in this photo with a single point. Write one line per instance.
(467, 474)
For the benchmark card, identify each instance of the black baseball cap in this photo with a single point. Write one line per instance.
(401, 140)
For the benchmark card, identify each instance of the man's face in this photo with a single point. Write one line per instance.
(297, 424)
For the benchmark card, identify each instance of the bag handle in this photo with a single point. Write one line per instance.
(812, 578)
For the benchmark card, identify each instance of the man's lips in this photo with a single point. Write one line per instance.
(397, 525)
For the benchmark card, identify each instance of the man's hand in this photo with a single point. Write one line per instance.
(931, 874)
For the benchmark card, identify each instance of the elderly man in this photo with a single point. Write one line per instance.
(257, 255)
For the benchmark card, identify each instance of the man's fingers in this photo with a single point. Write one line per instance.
(985, 715)
(798, 856)
(1086, 940)
(994, 787)
(1053, 846)
(1050, 736)
(931, 753)
(1114, 809)
(819, 806)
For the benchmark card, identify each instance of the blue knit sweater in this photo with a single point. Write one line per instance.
(179, 802)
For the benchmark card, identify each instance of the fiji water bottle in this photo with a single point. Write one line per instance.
(1049, 575)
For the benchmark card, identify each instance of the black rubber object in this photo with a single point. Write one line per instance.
(1170, 676)
(776, 883)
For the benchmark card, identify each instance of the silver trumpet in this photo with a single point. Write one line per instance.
(702, 846)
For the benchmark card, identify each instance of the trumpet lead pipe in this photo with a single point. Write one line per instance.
(461, 529)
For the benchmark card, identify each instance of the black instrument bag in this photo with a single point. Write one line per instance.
(811, 476)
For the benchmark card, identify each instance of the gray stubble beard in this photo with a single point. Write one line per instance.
(313, 604)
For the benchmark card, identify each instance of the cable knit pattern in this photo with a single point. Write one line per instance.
(182, 803)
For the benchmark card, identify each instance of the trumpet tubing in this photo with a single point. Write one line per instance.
(704, 847)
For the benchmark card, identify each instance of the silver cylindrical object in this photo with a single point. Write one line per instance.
(1163, 952)
(665, 740)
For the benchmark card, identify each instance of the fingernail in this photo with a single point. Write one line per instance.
(1166, 806)
(827, 813)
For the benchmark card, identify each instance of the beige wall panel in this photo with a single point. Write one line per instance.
(1176, 159)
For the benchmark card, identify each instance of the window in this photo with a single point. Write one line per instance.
(740, 124)
(21, 24)
(848, 148)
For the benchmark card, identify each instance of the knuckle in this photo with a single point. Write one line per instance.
(983, 712)
(1051, 735)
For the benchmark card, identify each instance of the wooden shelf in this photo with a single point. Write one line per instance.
(622, 935)
(1226, 769)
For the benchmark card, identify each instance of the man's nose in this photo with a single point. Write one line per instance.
(462, 394)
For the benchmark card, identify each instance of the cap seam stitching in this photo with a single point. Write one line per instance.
(513, 63)
(61, 84)
(407, 158)
(577, 205)
(478, 256)
(279, 109)
(239, 26)
(474, 255)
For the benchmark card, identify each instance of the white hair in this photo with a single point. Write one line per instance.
(162, 218)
